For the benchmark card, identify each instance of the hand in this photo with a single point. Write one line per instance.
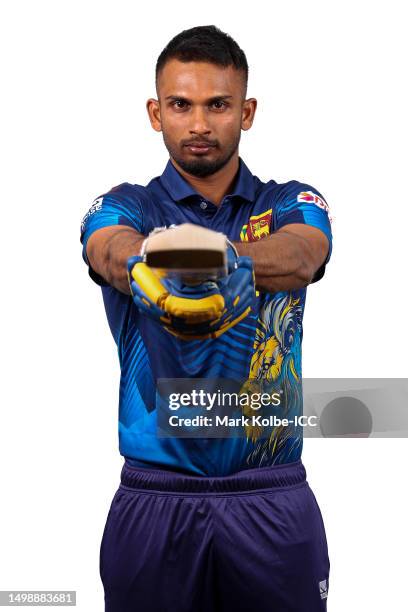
(194, 312)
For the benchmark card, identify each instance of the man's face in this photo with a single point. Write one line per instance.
(201, 111)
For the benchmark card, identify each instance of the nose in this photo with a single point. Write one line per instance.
(199, 121)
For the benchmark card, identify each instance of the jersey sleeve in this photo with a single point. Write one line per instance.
(301, 203)
(116, 207)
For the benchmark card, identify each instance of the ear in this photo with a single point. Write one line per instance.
(153, 110)
(248, 113)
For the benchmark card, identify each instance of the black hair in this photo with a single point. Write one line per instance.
(204, 44)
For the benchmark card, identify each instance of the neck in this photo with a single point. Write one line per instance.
(215, 186)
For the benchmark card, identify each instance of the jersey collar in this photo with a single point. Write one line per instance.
(179, 188)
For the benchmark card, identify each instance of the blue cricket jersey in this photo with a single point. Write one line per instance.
(264, 345)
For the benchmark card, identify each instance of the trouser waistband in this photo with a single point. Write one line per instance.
(284, 475)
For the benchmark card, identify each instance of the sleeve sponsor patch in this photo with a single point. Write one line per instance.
(96, 205)
(313, 198)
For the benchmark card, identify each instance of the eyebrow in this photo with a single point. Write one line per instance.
(212, 99)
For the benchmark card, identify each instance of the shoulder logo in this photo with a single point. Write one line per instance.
(257, 227)
(96, 205)
(309, 196)
(313, 198)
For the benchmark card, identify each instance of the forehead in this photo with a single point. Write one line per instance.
(198, 80)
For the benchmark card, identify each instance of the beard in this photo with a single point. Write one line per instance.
(201, 167)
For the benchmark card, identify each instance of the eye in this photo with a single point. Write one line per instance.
(219, 104)
(179, 104)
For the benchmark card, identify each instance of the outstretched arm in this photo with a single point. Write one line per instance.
(108, 250)
(287, 259)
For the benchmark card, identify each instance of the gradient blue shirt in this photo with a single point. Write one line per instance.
(264, 345)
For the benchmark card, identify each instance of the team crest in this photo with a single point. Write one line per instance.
(258, 227)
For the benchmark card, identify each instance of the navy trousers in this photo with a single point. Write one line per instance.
(251, 541)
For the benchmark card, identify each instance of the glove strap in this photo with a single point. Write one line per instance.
(233, 247)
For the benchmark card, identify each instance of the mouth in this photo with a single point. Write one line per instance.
(199, 148)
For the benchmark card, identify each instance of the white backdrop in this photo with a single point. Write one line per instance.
(330, 79)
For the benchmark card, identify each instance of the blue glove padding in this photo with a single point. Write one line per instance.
(201, 311)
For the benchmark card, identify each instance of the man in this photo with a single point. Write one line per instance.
(206, 524)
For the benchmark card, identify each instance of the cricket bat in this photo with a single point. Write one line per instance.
(190, 251)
